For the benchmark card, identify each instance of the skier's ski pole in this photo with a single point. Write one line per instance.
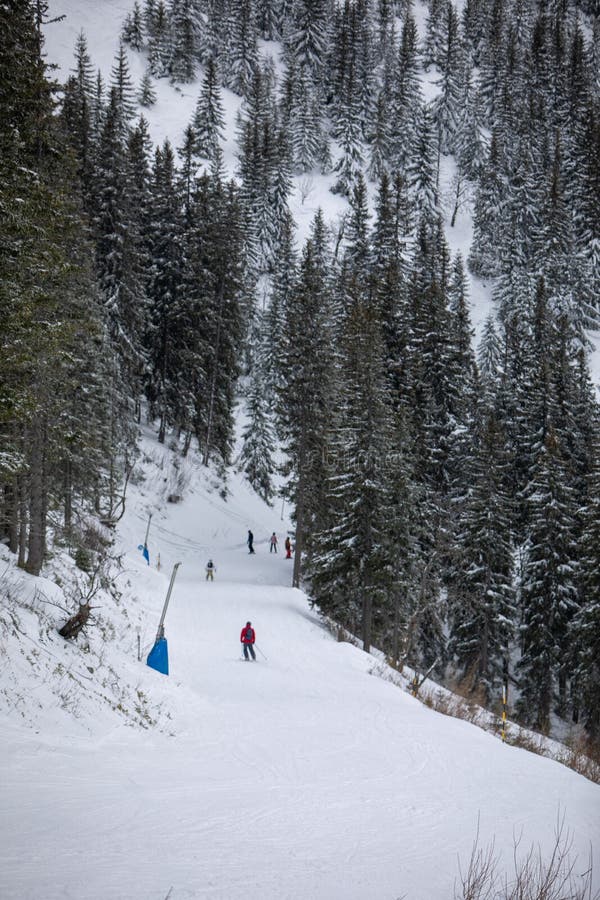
(260, 651)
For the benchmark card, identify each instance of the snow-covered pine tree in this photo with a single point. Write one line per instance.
(351, 573)
(209, 119)
(303, 116)
(242, 50)
(283, 283)
(77, 108)
(159, 40)
(421, 173)
(585, 638)
(446, 107)
(305, 38)
(258, 436)
(122, 84)
(147, 92)
(432, 51)
(490, 199)
(165, 285)
(52, 320)
(186, 24)
(304, 404)
(133, 31)
(548, 595)
(405, 97)
(480, 590)
(216, 294)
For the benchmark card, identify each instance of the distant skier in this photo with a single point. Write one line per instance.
(210, 570)
(250, 542)
(247, 638)
(288, 548)
(273, 543)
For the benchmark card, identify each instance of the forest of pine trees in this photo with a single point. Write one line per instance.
(446, 496)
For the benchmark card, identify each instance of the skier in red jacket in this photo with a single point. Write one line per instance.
(247, 637)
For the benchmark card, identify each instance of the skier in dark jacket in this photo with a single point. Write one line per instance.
(288, 548)
(247, 637)
(250, 542)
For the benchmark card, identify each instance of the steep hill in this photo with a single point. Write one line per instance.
(305, 774)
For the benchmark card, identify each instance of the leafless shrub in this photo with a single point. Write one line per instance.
(452, 705)
(94, 582)
(306, 188)
(479, 880)
(534, 877)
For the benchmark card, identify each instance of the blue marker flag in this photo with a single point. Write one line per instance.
(145, 552)
(158, 658)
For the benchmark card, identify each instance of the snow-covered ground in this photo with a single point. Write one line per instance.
(303, 775)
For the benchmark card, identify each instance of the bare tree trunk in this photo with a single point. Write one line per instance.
(22, 487)
(367, 623)
(73, 626)
(396, 632)
(68, 498)
(37, 523)
(213, 382)
(11, 513)
(186, 443)
(299, 542)
(367, 604)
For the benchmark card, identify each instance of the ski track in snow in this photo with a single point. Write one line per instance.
(300, 776)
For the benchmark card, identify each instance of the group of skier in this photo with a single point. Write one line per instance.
(273, 542)
(211, 568)
(248, 635)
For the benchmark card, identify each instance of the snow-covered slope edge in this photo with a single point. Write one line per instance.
(303, 770)
(96, 680)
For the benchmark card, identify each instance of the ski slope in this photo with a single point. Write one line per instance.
(303, 776)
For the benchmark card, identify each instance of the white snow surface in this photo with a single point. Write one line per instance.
(303, 775)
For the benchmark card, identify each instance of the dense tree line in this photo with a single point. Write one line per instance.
(123, 277)
(445, 496)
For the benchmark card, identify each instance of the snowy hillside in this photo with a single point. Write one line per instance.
(305, 774)
(310, 773)
(175, 106)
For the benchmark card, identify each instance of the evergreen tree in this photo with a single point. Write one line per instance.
(304, 404)
(165, 285)
(480, 591)
(147, 93)
(302, 115)
(422, 179)
(490, 199)
(77, 114)
(185, 40)
(214, 296)
(586, 625)
(209, 120)
(132, 32)
(446, 107)
(122, 85)
(405, 99)
(159, 40)
(306, 39)
(242, 52)
(548, 589)
(256, 457)
(52, 321)
(352, 566)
